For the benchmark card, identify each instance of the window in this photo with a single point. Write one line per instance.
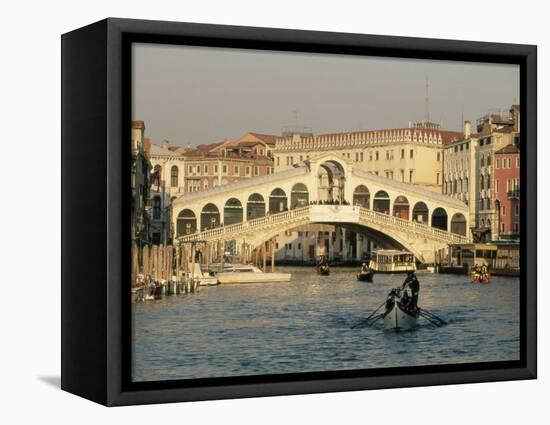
(190, 169)
(376, 155)
(437, 177)
(502, 210)
(156, 208)
(497, 163)
(236, 170)
(247, 171)
(299, 246)
(411, 154)
(370, 156)
(402, 153)
(205, 184)
(517, 162)
(482, 182)
(278, 161)
(516, 210)
(497, 185)
(301, 158)
(402, 175)
(256, 170)
(198, 169)
(356, 156)
(224, 169)
(482, 162)
(291, 160)
(215, 169)
(206, 169)
(439, 156)
(488, 182)
(411, 172)
(516, 227)
(361, 156)
(174, 176)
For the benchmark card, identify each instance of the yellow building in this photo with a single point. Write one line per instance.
(412, 155)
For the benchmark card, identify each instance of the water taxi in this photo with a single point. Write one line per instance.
(392, 261)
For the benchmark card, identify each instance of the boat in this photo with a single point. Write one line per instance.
(202, 278)
(431, 269)
(478, 278)
(323, 269)
(247, 273)
(392, 261)
(397, 316)
(365, 276)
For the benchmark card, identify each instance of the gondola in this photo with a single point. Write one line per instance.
(323, 270)
(398, 318)
(364, 276)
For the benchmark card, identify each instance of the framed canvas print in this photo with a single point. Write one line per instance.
(254, 212)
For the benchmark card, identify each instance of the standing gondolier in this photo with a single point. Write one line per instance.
(412, 282)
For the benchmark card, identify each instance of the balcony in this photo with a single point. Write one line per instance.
(513, 194)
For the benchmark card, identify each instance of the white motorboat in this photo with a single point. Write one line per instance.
(392, 261)
(400, 319)
(200, 277)
(247, 273)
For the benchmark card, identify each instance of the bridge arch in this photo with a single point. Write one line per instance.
(232, 211)
(331, 177)
(381, 202)
(186, 222)
(255, 206)
(210, 216)
(420, 213)
(278, 201)
(361, 196)
(299, 196)
(458, 224)
(439, 218)
(401, 207)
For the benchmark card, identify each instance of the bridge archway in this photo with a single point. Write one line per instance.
(458, 224)
(381, 202)
(361, 196)
(439, 219)
(420, 213)
(299, 196)
(232, 211)
(255, 207)
(401, 207)
(186, 222)
(331, 181)
(210, 216)
(278, 201)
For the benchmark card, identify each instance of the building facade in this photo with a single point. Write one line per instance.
(140, 184)
(469, 167)
(411, 155)
(507, 191)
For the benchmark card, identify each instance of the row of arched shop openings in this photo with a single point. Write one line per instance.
(234, 211)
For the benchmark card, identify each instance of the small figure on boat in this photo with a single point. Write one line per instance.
(365, 274)
(412, 282)
(401, 313)
(480, 274)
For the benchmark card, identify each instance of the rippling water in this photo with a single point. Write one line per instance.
(304, 326)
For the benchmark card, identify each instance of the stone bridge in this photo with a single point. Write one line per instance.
(257, 209)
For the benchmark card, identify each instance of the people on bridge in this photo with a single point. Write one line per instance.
(412, 282)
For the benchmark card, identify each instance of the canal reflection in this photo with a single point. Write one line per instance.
(304, 326)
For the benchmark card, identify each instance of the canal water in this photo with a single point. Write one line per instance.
(304, 326)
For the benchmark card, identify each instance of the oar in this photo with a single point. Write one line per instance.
(368, 318)
(433, 319)
(433, 316)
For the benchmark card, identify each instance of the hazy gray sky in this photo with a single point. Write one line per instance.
(194, 95)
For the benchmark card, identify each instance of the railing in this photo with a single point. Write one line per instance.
(303, 214)
(369, 215)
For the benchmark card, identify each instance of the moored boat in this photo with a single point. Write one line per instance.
(247, 273)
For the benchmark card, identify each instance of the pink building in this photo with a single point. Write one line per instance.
(506, 185)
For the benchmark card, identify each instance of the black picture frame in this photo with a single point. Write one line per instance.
(95, 232)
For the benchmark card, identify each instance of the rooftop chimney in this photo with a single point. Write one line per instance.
(467, 129)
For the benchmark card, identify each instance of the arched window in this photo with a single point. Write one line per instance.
(174, 176)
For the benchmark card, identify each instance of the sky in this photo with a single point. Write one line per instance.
(194, 95)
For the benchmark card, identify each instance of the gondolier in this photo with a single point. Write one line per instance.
(412, 282)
